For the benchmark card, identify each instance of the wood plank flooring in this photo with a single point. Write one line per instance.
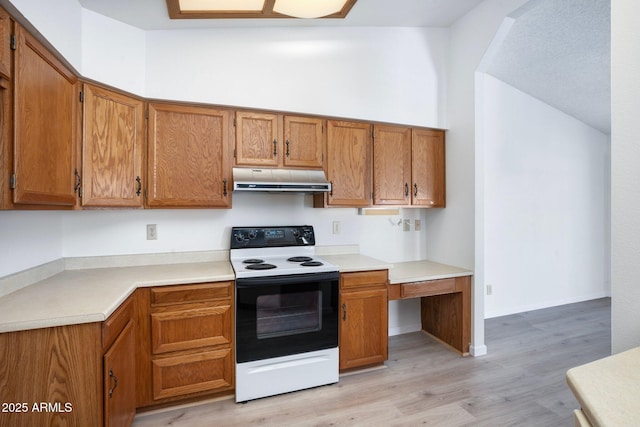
(520, 382)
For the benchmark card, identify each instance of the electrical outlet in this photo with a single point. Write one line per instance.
(417, 225)
(489, 289)
(336, 227)
(406, 224)
(152, 231)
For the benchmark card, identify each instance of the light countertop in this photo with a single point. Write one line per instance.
(84, 295)
(419, 271)
(607, 389)
(92, 295)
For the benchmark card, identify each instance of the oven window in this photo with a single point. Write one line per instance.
(288, 314)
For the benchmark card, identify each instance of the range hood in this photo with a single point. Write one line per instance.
(294, 180)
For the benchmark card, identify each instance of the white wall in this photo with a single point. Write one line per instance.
(452, 230)
(60, 22)
(387, 74)
(545, 198)
(625, 174)
(113, 53)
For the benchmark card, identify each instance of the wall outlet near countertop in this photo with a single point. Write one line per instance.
(406, 224)
(489, 289)
(417, 225)
(152, 231)
(336, 227)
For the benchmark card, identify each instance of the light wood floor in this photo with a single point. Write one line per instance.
(520, 382)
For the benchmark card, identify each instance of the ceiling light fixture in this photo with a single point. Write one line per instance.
(239, 9)
(308, 8)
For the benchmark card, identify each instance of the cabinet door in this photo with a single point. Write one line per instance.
(363, 328)
(45, 126)
(428, 168)
(391, 165)
(303, 142)
(349, 163)
(113, 137)
(188, 156)
(5, 38)
(119, 380)
(257, 141)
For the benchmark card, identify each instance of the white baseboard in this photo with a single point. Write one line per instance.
(404, 329)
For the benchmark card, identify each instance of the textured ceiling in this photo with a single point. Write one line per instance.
(559, 51)
(152, 14)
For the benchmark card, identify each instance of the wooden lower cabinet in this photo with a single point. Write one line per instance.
(119, 380)
(188, 342)
(75, 375)
(119, 367)
(364, 326)
(51, 377)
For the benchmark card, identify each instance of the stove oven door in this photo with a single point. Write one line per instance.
(284, 315)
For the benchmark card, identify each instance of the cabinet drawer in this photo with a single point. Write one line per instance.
(112, 327)
(194, 328)
(190, 293)
(192, 373)
(363, 279)
(431, 287)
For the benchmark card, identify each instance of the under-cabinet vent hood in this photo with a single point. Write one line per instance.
(294, 180)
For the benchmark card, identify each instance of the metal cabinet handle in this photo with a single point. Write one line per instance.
(406, 189)
(287, 143)
(76, 188)
(224, 186)
(139, 188)
(415, 189)
(344, 312)
(331, 192)
(275, 147)
(115, 382)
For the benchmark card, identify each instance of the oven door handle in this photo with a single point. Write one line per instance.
(251, 282)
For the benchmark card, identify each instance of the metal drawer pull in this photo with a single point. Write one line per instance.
(139, 189)
(275, 147)
(344, 312)
(115, 382)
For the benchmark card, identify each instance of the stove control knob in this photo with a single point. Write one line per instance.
(239, 237)
(296, 233)
(252, 234)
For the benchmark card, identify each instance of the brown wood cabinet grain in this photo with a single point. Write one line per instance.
(348, 165)
(391, 165)
(303, 142)
(61, 366)
(363, 319)
(428, 168)
(119, 376)
(408, 166)
(45, 101)
(5, 43)
(188, 348)
(113, 148)
(274, 140)
(188, 157)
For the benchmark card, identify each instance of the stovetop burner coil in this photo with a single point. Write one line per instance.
(299, 259)
(253, 261)
(261, 266)
(311, 264)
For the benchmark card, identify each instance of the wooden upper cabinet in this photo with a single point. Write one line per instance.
(391, 165)
(188, 156)
(5, 43)
(257, 139)
(348, 164)
(273, 140)
(303, 142)
(45, 99)
(428, 168)
(113, 144)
